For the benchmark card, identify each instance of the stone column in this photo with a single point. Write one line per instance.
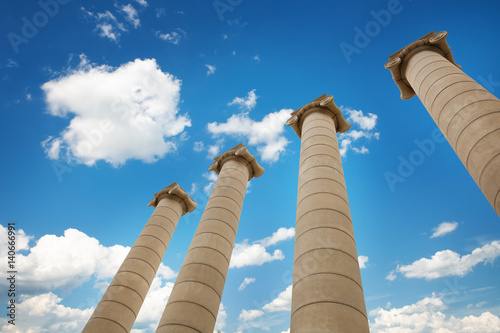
(327, 292)
(466, 113)
(194, 302)
(120, 304)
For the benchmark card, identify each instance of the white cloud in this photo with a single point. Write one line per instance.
(366, 123)
(28, 97)
(245, 283)
(287, 331)
(256, 58)
(391, 276)
(44, 313)
(267, 135)
(42, 272)
(282, 303)
(344, 145)
(481, 304)
(210, 69)
(107, 24)
(449, 263)
(247, 315)
(362, 260)
(212, 178)
(131, 15)
(173, 37)
(214, 150)
(247, 103)
(444, 228)
(362, 130)
(118, 113)
(11, 63)
(255, 254)
(245, 254)
(220, 323)
(426, 316)
(363, 150)
(160, 12)
(282, 234)
(142, 2)
(198, 146)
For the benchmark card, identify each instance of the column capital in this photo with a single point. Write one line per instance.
(435, 42)
(324, 102)
(175, 191)
(239, 151)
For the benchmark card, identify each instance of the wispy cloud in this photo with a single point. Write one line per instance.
(210, 69)
(443, 229)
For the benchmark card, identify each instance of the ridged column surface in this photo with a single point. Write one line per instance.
(120, 304)
(327, 291)
(466, 113)
(194, 302)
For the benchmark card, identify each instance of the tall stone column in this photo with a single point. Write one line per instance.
(194, 302)
(466, 113)
(327, 292)
(120, 304)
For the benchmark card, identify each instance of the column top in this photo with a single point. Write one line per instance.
(239, 151)
(435, 42)
(326, 102)
(175, 191)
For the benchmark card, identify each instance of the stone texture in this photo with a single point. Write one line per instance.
(195, 299)
(466, 113)
(120, 304)
(327, 292)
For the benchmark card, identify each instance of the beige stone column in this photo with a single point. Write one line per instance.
(194, 302)
(466, 113)
(120, 304)
(327, 292)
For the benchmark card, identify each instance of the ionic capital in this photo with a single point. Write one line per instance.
(398, 61)
(175, 192)
(241, 153)
(324, 102)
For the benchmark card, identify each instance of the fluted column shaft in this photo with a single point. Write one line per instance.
(120, 304)
(466, 113)
(195, 299)
(327, 291)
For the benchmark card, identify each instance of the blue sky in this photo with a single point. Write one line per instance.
(105, 103)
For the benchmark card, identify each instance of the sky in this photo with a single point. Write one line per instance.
(105, 103)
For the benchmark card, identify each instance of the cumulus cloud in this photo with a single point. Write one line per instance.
(154, 303)
(44, 313)
(362, 261)
(210, 69)
(245, 283)
(106, 24)
(363, 129)
(117, 113)
(443, 229)
(198, 146)
(282, 234)
(131, 15)
(281, 303)
(220, 323)
(247, 103)
(426, 316)
(449, 263)
(212, 178)
(267, 134)
(247, 315)
(215, 149)
(255, 254)
(173, 37)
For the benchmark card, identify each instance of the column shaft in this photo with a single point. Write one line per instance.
(194, 302)
(120, 304)
(327, 291)
(466, 113)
